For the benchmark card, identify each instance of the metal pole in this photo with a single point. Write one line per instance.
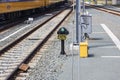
(62, 47)
(78, 30)
(78, 26)
(105, 2)
(83, 7)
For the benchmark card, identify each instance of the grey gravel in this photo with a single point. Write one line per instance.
(49, 65)
(36, 21)
(51, 62)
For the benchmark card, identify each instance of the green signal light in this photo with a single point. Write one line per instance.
(62, 29)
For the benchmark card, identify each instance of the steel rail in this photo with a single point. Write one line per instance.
(101, 8)
(29, 57)
(13, 43)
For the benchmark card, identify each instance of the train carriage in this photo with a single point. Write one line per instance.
(16, 8)
(11, 6)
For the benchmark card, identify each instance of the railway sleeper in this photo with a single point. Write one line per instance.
(23, 67)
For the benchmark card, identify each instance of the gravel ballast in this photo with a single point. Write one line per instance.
(50, 65)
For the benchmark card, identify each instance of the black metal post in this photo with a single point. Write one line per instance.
(62, 47)
(66, 1)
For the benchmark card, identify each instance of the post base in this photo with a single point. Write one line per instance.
(62, 53)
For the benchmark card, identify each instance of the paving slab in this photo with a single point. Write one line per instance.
(102, 63)
(104, 56)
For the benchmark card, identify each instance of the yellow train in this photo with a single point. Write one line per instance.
(16, 8)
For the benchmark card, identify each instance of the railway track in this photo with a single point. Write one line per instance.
(115, 12)
(15, 56)
(5, 25)
(22, 29)
(9, 25)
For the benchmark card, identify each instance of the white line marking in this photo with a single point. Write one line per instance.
(98, 32)
(110, 56)
(111, 35)
(14, 33)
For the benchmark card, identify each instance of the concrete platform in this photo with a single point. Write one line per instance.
(103, 62)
